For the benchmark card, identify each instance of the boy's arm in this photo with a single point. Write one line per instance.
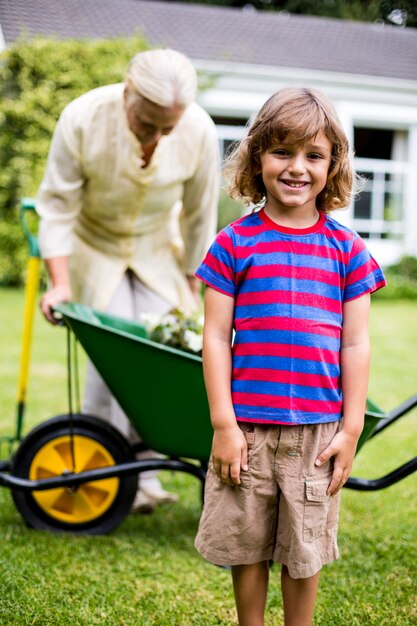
(229, 445)
(354, 363)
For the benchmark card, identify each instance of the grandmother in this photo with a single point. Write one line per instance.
(128, 207)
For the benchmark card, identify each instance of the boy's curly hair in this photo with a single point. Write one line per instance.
(294, 115)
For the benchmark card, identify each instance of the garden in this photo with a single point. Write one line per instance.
(147, 571)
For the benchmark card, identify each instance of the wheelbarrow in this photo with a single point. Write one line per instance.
(77, 473)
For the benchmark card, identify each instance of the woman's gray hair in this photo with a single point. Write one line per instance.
(165, 77)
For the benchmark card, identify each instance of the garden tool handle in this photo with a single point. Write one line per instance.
(29, 205)
(31, 291)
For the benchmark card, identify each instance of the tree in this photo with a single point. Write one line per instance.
(397, 12)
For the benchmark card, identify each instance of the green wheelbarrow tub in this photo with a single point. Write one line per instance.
(373, 416)
(160, 389)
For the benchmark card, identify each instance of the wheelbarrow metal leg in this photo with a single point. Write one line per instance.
(363, 484)
(121, 469)
(395, 414)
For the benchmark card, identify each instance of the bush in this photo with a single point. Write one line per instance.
(406, 268)
(13, 253)
(229, 210)
(37, 79)
(401, 279)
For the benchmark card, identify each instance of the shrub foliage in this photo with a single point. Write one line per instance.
(401, 279)
(37, 79)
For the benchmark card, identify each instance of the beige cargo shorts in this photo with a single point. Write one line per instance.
(280, 511)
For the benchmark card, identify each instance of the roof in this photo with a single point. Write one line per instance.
(216, 33)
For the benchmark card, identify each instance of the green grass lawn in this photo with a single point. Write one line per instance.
(147, 572)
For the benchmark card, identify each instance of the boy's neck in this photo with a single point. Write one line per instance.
(293, 217)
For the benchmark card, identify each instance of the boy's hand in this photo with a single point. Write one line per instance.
(343, 448)
(230, 454)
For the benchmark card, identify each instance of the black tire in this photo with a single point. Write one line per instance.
(108, 503)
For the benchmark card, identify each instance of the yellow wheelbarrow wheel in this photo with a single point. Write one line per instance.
(90, 500)
(50, 450)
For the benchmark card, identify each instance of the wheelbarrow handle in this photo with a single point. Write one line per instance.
(31, 292)
(29, 205)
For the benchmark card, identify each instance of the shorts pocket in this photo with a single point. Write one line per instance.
(316, 507)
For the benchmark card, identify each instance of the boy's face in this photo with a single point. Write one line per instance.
(294, 175)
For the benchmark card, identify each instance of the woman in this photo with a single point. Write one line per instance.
(128, 205)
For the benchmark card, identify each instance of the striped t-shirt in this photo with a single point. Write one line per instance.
(289, 287)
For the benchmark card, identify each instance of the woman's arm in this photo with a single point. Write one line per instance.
(229, 445)
(194, 284)
(354, 364)
(58, 203)
(61, 288)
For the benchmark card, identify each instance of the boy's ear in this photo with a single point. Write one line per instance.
(258, 169)
(260, 183)
(333, 162)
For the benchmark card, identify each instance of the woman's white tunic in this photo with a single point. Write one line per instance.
(100, 207)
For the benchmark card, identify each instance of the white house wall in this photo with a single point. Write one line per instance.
(411, 196)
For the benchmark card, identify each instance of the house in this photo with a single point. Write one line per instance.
(369, 70)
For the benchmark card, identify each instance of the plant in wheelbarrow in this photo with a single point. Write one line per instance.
(176, 329)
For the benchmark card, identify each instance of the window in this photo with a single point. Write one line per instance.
(229, 130)
(381, 161)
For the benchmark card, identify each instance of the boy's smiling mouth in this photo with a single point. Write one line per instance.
(295, 184)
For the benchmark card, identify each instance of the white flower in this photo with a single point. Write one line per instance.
(170, 320)
(166, 334)
(149, 320)
(193, 340)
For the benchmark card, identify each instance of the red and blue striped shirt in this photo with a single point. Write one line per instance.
(289, 287)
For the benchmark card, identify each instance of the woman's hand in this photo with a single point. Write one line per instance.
(61, 287)
(50, 299)
(230, 454)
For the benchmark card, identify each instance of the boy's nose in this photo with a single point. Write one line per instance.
(297, 164)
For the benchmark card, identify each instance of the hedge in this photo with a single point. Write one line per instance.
(401, 281)
(37, 79)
